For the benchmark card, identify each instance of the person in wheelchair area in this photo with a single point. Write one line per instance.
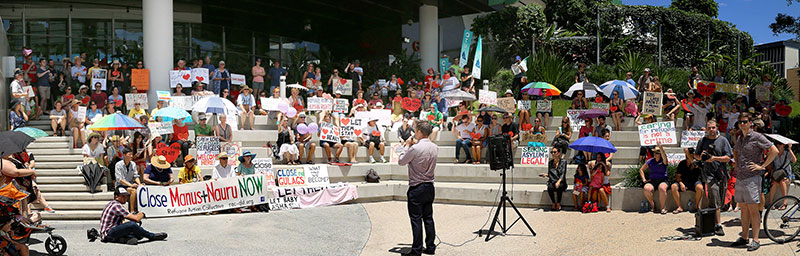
(7, 245)
(112, 228)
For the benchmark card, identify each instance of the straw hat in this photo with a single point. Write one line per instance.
(222, 155)
(245, 87)
(188, 158)
(159, 162)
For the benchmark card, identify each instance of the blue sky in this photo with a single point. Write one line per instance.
(751, 16)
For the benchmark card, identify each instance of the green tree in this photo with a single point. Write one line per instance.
(707, 7)
(572, 14)
(510, 29)
(785, 23)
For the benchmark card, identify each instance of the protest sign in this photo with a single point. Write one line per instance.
(207, 150)
(164, 95)
(183, 77)
(689, 139)
(534, 155)
(291, 176)
(487, 97)
(205, 196)
(350, 128)
(133, 98)
(329, 132)
(411, 105)
(81, 114)
(762, 93)
(574, 121)
(652, 133)
(544, 106)
(198, 75)
(140, 78)
(652, 103)
(319, 104)
(182, 102)
(170, 152)
(601, 106)
(162, 128)
(263, 166)
(99, 76)
(524, 104)
(234, 150)
(330, 196)
(29, 91)
(452, 103)
(237, 79)
(270, 104)
(675, 158)
(343, 85)
(740, 89)
(341, 105)
(316, 174)
(384, 116)
(303, 190)
(284, 203)
(394, 155)
(507, 104)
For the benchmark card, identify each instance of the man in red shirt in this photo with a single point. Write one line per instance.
(98, 96)
(180, 135)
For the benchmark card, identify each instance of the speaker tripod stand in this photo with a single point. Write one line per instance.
(502, 205)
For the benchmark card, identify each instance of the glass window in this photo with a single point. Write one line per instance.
(207, 37)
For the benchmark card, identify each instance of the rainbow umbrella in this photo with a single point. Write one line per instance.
(541, 89)
(32, 132)
(115, 122)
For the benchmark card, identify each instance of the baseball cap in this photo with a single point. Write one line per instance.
(202, 116)
(121, 191)
(646, 69)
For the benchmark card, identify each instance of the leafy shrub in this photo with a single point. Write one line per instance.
(551, 68)
(631, 179)
(501, 80)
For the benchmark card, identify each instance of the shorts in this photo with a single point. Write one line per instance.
(322, 143)
(542, 113)
(44, 92)
(657, 182)
(715, 190)
(748, 190)
(306, 145)
(688, 187)
(606, 188)
(377, 143)
(258, 85)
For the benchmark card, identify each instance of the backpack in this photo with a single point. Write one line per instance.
(372, 176)
(589, 207)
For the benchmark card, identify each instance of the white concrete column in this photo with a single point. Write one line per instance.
(429, 36)
(158, 52)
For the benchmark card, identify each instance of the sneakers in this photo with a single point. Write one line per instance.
(429, 251)
(371, 160)
(383, 159)
(49, 210)
(160, 236)
(718, 230)
(739, 242)
(132, 241)
(753, 246)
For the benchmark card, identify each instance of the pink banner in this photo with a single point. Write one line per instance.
(328, 196)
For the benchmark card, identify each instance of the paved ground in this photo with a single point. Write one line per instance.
(383, 229)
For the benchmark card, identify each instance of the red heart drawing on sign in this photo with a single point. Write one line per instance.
(783, 110)
(357, 132)
(324, 130)
(706, 89)
(186, 76)
(170, 152)
(200, 78)
(342, 81)
(431, 117)
(527, 126)
(376, 133)
(475, 136)
(411, 104)
(345, 121)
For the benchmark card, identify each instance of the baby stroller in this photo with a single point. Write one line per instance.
(18, 227)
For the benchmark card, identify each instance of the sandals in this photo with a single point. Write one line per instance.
(676, 211)
(663, 211)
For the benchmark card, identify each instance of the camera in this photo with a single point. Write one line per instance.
(706, 155)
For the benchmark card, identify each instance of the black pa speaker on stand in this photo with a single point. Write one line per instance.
(501, 158)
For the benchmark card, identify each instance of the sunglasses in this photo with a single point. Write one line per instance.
(494, 118)
(553, 152)
(537, 121)
(223, 158)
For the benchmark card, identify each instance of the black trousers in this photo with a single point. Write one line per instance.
(420, 209)
(555, 193)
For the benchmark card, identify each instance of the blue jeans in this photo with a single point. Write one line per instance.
(127, 230)
(467, 145)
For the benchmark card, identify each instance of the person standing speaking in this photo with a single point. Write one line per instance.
(420, 155)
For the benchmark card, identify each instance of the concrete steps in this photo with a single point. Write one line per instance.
(73, 215)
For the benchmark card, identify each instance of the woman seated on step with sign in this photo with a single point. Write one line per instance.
(327, 145)
(372, 138)
(287, 149)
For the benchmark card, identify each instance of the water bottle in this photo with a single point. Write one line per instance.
(690, 204)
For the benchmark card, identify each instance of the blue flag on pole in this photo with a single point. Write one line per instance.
(476, 64)
(465, 44)
(443, 64)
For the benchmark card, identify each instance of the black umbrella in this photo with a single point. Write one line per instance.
(492, 109)
(12, 142)
(92, 173)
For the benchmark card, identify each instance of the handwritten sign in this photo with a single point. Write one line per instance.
(81, 114)
(207, 150)
(99, 76)
(233, 149)
(29, 91)
(164, 95)
(534, 156)
(182, 102)
(507, 104)
(170, 152)
(452, 103)
(652, 133)
(183, 77)
(263, 166)
(270, 104)
(284, 203)
(316, 174)
(160, 127)
(140, 78)
(689, 139)
(487, 97)
(198, 75)
(601, 106)
(133, 98)
(675, 158)
(343, 85)
(394, 155)
(319, 104)
(341, 105)
(652, 103)
(762, 93)
(708, 87)
(411, 104)
(294, 176)
(575, 122)
(237, 79)
(351, 128)
(329, 132)
(524, 104)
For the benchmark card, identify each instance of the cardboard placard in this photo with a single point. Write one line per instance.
(270, 104)
(164, 95)
(263, 166)
(316, 174)
(675, 158)
(341, 105)
(133, 98)
(534, 156)
(575, 122)
(452, 103)
(291, 176)
(689, 139)
(99, 76)
(329, 132)
(207, 150)
(81, 114)
(650, 134)
(411, 105)
(234, 150)
(344, 85)
(237, 79)
(507, 104)
(162, 128)
(284, 203)
(351, 128)
(140, 78)
(487, 97)
(652, 103)
(524, 104)
(319, 104)
(183, 77)
(544, 106)
(601, 106)
(199, 75)
(182, 102)
(763, 93)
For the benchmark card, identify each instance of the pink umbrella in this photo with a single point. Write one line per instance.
(592, 113)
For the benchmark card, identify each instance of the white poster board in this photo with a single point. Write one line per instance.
(133, 98)
(319, 104)
(341, 105)
(487, 97)
(237, 79)
(183, 77)
(544, 106)
(652, 103)
(199, 75)
(182, 102)
(652, 133)
(575, 122)
(99, 76)
(689, 139)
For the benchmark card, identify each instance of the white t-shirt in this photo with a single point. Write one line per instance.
(465, 130)
(367, 131)
(223, 172)
(450, 83)
(93, 153)
(699, 115)
(16, 87)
